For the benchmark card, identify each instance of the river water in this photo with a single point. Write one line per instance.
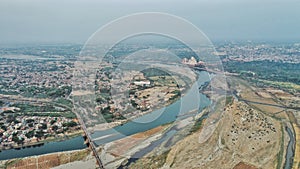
(289, 157)
(51, 147)
(192, 100)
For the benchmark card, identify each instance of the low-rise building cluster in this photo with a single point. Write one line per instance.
(22, 130)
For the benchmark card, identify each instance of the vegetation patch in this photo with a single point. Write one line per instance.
(151, 162)
(267, 70)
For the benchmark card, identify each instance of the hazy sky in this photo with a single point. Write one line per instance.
(48, 21)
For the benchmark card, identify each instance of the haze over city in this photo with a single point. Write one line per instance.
(48, 21)
(149, 84)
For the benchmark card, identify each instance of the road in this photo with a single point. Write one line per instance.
(90, 143)
(268, 104)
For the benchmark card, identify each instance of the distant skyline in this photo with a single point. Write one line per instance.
(74, 21)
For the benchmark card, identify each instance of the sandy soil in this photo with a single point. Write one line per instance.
(49, 160)
(117, 152)
(225, 147)
(242, 165)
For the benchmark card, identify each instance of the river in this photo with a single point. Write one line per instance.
(192, 100)
(51, 147)
(289, 157)
(156, 118)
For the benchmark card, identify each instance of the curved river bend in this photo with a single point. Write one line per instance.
(192, 100)
(156, 118)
